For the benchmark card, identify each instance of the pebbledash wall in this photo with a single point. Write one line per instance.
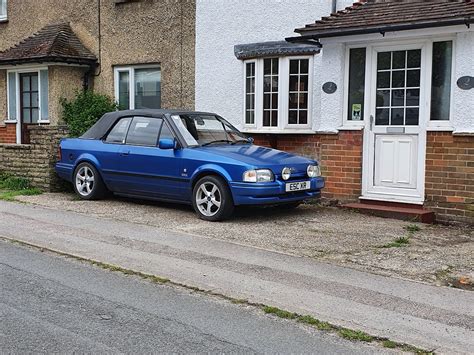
(35, 161)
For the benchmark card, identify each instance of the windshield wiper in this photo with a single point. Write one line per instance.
(240, 141)
(216, 141)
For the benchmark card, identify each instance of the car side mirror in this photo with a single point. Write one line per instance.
(250, 139)
(167, 143)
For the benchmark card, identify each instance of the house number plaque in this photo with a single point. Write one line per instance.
(329, 87)
(465, 82)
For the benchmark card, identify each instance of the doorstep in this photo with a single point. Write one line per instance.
(403, 211)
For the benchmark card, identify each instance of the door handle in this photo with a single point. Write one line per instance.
(371, 121)
(124, 154)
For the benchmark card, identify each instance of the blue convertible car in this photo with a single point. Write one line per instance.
(188, 157)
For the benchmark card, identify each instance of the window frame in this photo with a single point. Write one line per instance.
(4, 17)
(431, 125)
(283, 96)
(131, 75)
(17, 98)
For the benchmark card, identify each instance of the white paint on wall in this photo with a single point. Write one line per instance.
(463, 100)
(221, 24)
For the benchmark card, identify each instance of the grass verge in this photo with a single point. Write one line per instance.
(346, 333)
(11, 186)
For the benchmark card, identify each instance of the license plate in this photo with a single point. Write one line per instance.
(298, 186)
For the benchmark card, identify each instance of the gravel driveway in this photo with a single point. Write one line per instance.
(436, 254)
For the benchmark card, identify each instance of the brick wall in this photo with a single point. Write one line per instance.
(340, 156)
(35, 161)
(449, 186)
(8, 133)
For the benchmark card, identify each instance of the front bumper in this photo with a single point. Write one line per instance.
(245, 193)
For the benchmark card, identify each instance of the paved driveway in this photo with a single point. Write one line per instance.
(435, 254)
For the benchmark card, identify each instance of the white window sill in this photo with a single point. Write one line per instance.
(351, 128)
(10, 121)
(278, 131)
(43, 122)
(439, 128)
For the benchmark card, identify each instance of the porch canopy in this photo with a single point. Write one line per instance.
(381, 16)
(56, 43)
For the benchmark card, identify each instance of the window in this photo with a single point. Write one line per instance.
(3, 10)
(166, 132)
(144, 131)
(356, 84)
(398, 88)
(28, 95)
(138, 87)
(250, 93)
(270, 92)
(298, 94)
(278, 93)
(441, 80)
(119, 131)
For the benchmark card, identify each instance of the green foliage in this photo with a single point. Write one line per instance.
(279, 312)
(389, 344)
(84, 110)
(397, 243)
(355, 335)
(9, 182)
(412, 228)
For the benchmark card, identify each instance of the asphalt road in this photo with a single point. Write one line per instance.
(52, 304)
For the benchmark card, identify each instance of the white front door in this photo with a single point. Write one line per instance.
(395, 132)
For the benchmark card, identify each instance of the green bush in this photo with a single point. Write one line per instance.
(84, 110)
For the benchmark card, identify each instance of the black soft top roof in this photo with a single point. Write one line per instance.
(103, 125)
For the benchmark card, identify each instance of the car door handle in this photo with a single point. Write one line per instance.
(124, 154)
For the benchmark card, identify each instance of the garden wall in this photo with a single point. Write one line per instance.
(35, 161)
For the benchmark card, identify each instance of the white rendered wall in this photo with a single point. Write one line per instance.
(463, 100)
(221, 24)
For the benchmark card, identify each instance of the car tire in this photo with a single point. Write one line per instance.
(88, 183)
(212, 199)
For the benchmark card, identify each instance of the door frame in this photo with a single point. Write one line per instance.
(368, 166)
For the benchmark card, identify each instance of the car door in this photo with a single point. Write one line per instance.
(107, 153)
(148, 170)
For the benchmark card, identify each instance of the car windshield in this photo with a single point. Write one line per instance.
(202, 130)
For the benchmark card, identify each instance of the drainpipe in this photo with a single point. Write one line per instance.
(333, 6)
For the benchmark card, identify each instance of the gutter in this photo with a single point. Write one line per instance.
(379, 29)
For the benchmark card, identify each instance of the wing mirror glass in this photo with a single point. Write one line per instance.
(167, 143)
(250, 139)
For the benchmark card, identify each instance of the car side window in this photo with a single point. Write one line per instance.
(144, 131)
(119, 131)
(166, 132)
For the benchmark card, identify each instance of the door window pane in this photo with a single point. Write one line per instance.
(148, 88)
(34, 115)
(399, 60)
(357, 83)
(397, 116)
(119, 131)
(144, 131)
(441, 80)
(398, 88)
(414, 59)
(124, 90)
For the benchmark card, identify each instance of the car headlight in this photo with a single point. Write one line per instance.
(286, 173)
(313, 171)
(259, 175)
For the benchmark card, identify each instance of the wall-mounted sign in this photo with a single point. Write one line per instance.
(465, 82)
(356, 112)
(329, 87)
